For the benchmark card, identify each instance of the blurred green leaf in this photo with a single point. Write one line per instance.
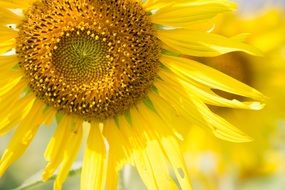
(36, 180)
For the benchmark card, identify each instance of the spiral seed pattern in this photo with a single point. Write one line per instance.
(93, 58)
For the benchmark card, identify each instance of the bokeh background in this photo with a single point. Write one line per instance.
(214, 164)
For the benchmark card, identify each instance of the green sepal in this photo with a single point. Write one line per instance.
(58, 117)
(116, 119)
(128, 117)
(147, 101)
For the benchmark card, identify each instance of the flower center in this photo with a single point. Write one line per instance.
(82, 57)
(95, 58)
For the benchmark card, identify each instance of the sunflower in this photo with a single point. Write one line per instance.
(260, 157)
(114, 68)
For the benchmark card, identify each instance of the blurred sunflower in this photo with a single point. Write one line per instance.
(114, 65)
(266, 73)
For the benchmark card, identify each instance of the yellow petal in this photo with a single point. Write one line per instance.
(54, 152)
(196, 112)
(14, 4)
(7, 45)
(151, 159)
(8, 17)
(209, 77)
(163, 133)
(11, 61)
(220, 127)
(187, 13)
(14, 88)
(112, 173)
(22, 137)
(176, 159)
(17, 112)
(119, 153)
(150, 5)
(180, 101)
(50, 113)
(7, 33)
(139, 158)
(209, 97)
(169, 114)
(70, 152)
(202, 44)
(94, 169)
(143, 166)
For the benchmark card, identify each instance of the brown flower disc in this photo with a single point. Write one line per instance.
(94, 58)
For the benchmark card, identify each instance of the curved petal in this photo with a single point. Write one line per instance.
(63, 148)
(119, 153)
(209, 77)
(16, 4)
(23, 136)
(194, 110)
(190, 12)
(8, 17)
(70, 152)
(94, 169)
(202, 44)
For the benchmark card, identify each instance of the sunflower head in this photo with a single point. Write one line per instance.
(96, 60)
